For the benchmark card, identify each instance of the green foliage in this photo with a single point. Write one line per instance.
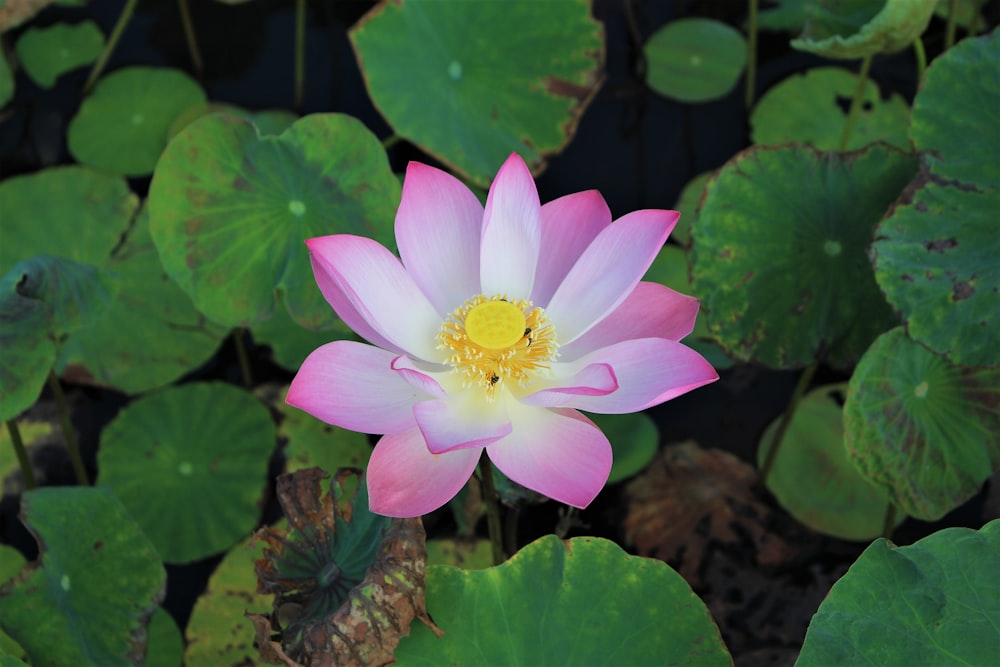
(312, 443)
(48, 53)
(165, 644)
(931, 603)
(634, 439)
(859, 28)
(695, 59)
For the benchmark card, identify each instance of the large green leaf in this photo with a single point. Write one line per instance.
(473, 82)
(86, 601)
(858, 28)
(695, 59)
(48, 53)
(931, 603)
(190, 464)
(122, 126)
(230, 210)
(290, 342)
(807, 108)
(584, 601)
(166, 645)
(634, 439)
(779, 252)
(936, 254)
(923, 429)
(812, 476)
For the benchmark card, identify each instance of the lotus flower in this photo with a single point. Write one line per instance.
(496, 327)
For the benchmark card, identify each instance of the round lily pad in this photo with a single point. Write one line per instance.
(165, 645)
(583, 601)
(48, 53)
(230, 210)
(634, 439)
(472, 82)
(779, 252)
(812, 476)
(274, 121)
(687, 204)
(122, 126)
(468, 554)
(812, 108)
(28, 351)
(61, 609)
(933, 602)
(190, 464)
(860, 28)
(936, 255)
(695, 59)
(923, 429)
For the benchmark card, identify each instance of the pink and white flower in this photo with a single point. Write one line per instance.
(496, 327)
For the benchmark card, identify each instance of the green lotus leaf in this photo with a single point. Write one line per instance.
(935, 255)
(312, 443)
(924, 430)
(812, 476)
(473, 82)
(72, 212)
(6, 81)
(469, 554)
(122, 126)
(274, 121)
(165, 646)
(48, 53)
(218, 632)
(88, 597)
(858, 28)
(117, 351)
(290, 342)
(583, 601)
(230, 211)
(695, 59)
(806, 108)
(688, 204)
(190, 464)
(634, 439)
(27, 351)
(933, 602)
(787, 15)
(968, 13)
(779, 252)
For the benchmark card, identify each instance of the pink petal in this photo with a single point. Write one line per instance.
(649, 372)
(569, 224)
(511, 232)
(417, 378)
(558, 453)
(591, 380)
(352, 385)
(608, 271)
(650, 311)
(345, 309)
(377, 287)
(456, 424)
(406, 480)
(438, 226)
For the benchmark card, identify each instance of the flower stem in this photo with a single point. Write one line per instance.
(116, 34)
(192, 42)
(22, 455)
(890, 520)
(786, 419)
(921, 55)
(751, 81)
(492, 509)
(391, 141)
(68, 433)
(239, 333)
(859, 93)
(949, 31)
(300, 53)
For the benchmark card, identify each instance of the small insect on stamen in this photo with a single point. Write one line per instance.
(527, 333)
(494, 379)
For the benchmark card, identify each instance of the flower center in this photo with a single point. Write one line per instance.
(494, 340)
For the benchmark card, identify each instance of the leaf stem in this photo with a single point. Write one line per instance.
(921, 55)
(239, 333)
(22, 455)
(859, 93)
(889, 524)
(192, 41)
(492, 509)
(786, 419)
(300, 53)
(391, 141)
(62, 408)
(949, 31)
(116, 34)
(751, 80)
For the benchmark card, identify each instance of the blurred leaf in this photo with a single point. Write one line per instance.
(473, 82)
(28, 351)
(634, 439)
(475, 554)
(688, 204)
(931, 603)
(813, 478)
(48, 53)
(857, 28)
(583, 601)
(165, 645)
(11, 562)
(695, 59)
(779, 252)
(6, 81)
(290, 342)
(122, 126)
(968, 13)
(190, 464)
(272, 122)
(347, 582)
(87, 599)
(926, 431)
(936, 254)
(218, 632)
(787, 15)
(230, 211)
(312, 443)
(807, 108)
